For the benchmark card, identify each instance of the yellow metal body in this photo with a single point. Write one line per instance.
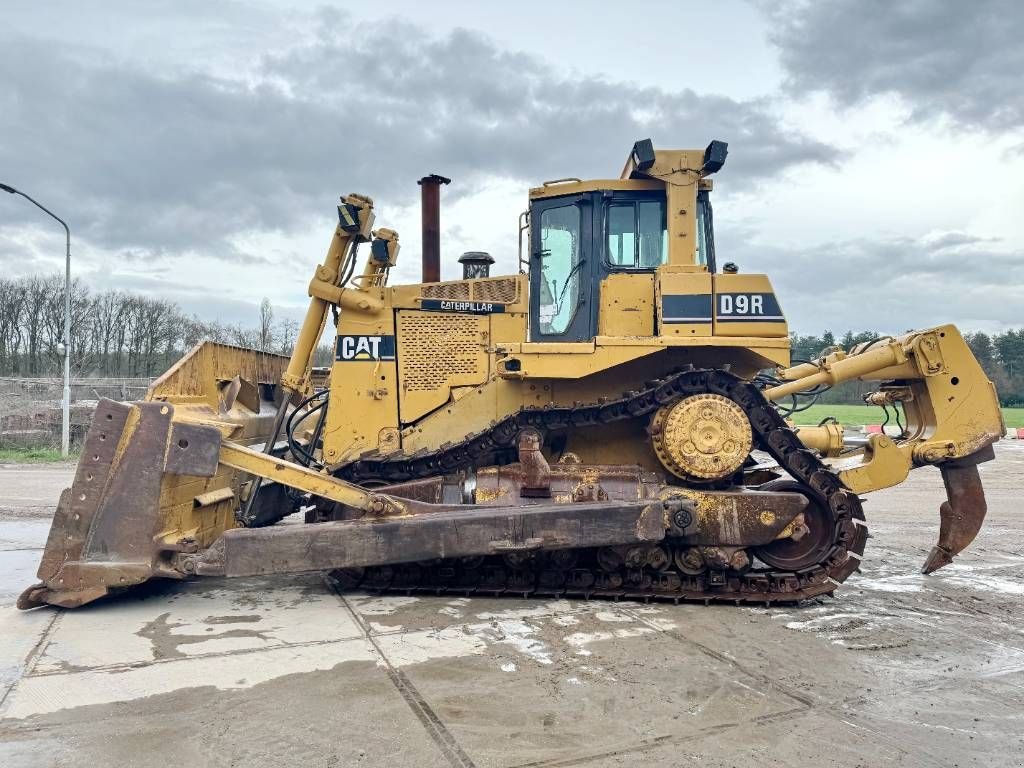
(450, 373)
(419, 366)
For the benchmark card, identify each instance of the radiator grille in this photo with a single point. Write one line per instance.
(435, 348)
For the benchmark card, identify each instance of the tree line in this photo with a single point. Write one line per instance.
(113, 333)
(1001, 356)
(118, 334)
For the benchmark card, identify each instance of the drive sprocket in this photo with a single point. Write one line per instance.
(702, 437)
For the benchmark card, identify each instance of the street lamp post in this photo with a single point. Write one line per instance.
(65, 430)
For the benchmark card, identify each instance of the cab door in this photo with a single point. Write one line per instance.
(561, 269)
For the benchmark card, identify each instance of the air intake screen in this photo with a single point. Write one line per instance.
(502, 290)
(446, 290)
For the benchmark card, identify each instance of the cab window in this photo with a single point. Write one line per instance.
(705, 232)
(702, 241)
(637, 236)
(560, 268)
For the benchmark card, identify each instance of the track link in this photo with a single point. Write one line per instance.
(546, 576)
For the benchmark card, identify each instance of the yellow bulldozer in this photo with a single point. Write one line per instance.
(608, 422)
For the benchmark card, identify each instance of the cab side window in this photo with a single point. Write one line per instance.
(637, 236)
(560, 268)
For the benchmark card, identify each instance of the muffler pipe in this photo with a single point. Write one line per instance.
(962, 514)
(430, 198)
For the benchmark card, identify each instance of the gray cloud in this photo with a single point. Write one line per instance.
(944, 57)
(167, 162)
(890, 284)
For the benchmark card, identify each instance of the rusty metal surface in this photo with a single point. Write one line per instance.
(102, 534)
(738, 518)
(450, 533)
(194, 449)
(501, 486)
(536, 472)
(427, 489)
(715, 519)
(430, 193)
(125, 521)
(79, 504)
(962, 514)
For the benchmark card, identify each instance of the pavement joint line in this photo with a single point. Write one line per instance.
(44, 642)
(640, 747)
(429, 719)
(472, 617)
(33, 656)
(804, 700)
(908, 611)
(666, 740)
(964, 635)
(812, 702)
(904, 687)
(187, 657)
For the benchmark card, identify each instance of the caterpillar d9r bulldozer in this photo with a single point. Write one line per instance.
(608, 422)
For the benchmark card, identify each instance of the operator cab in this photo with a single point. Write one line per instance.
(581, 233)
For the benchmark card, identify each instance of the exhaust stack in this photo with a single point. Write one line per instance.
(431, 211)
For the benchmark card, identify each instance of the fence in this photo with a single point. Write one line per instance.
(81, 389)
(30, 409)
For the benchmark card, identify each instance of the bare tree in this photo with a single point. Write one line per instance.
(35, 302)
(106, 312)
(13, 296)
(266, 328)
(287, 331)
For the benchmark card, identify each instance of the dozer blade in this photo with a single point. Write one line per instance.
(962, 514)
(105, 533)
(149, 486)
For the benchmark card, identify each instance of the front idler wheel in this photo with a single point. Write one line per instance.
(810, 548)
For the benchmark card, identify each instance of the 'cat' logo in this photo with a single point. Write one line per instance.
(353, 348)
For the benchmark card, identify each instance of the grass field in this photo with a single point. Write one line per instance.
(31, 456)
(856, 415)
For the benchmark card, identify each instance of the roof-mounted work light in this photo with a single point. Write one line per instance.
(643, 154)
(714, 157)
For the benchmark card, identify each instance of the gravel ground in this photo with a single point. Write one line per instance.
(900, 669)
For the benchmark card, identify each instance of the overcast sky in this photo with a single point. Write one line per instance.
(197, 147)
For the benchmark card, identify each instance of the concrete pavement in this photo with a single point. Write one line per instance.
(901, 669)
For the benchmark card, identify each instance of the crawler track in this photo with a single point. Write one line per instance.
(579, 574)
